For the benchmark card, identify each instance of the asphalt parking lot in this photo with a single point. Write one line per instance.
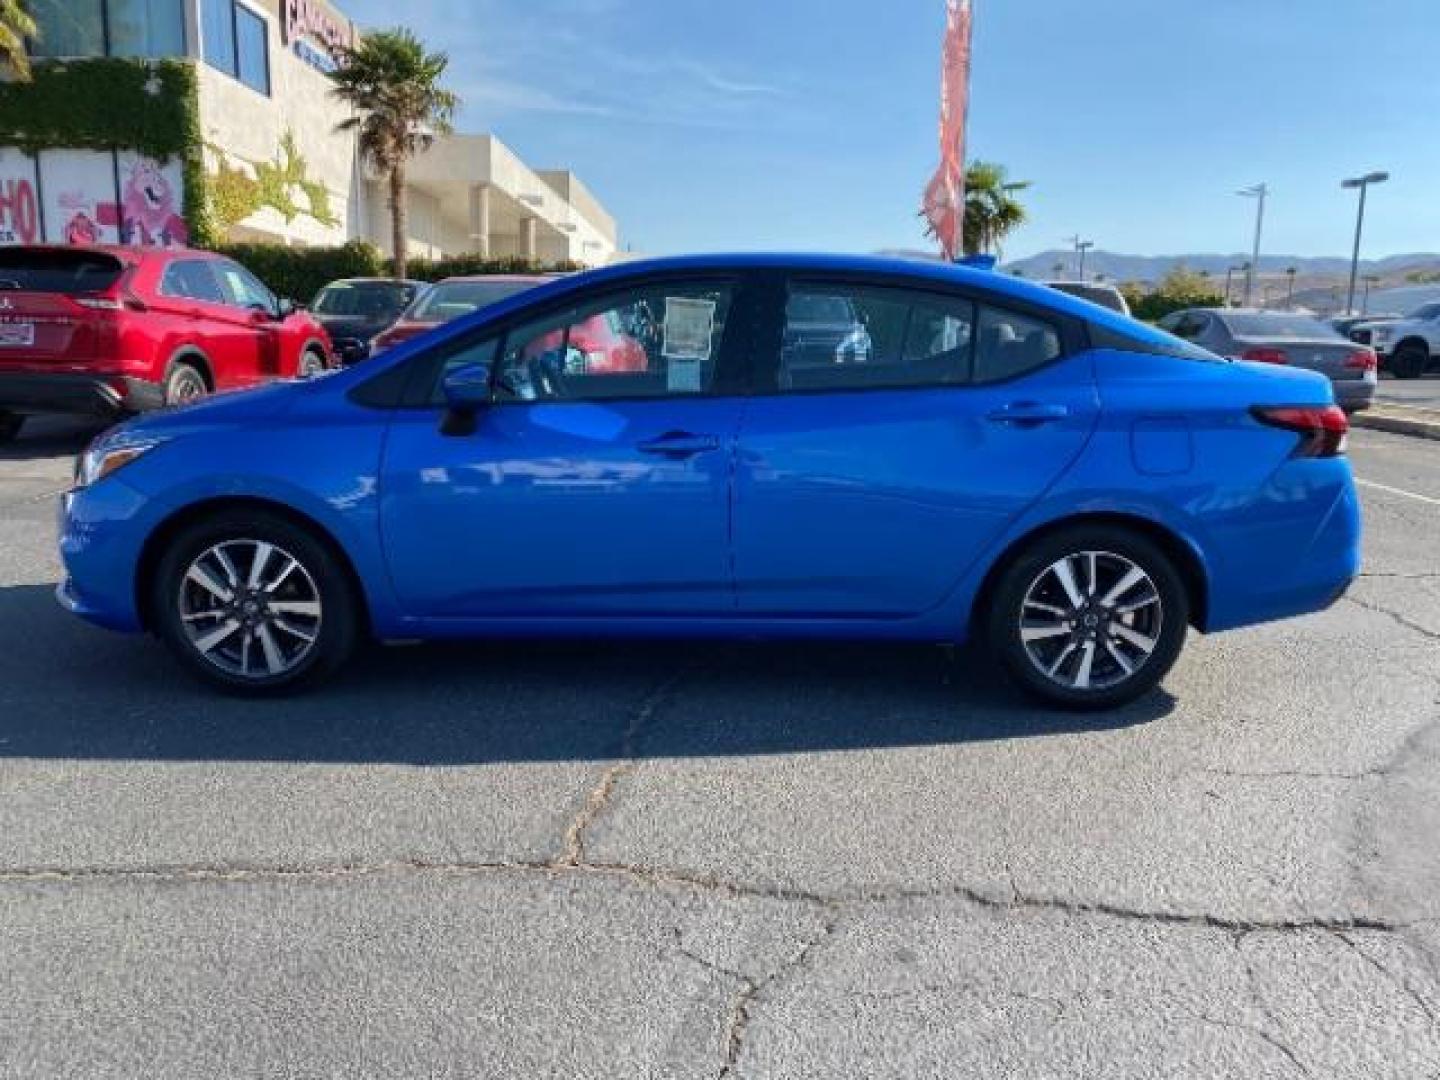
(696, 860)
(1422, 393)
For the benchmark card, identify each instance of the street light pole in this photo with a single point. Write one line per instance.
(1363, 183)
(1229, 275)
(1258, 193)
(1081, 247)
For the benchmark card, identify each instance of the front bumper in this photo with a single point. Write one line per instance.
(80, 394)
(102, 532)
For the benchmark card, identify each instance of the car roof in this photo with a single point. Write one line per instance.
(378, 279)
(526, 279)
(125, 253)
(913, 270)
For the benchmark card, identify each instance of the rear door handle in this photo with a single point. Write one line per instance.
(679, 445)
(1028, 414)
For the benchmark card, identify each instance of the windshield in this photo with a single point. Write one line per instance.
(451, 299)
(1276, 324)
(67, 272)
(364, 299)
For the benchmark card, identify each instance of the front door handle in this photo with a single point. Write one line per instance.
(679, 445)
(1028, 414)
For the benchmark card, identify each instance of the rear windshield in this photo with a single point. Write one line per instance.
(451, 299)
(68, 272)
(364, 299)
(1096, 294)
(1276, 324)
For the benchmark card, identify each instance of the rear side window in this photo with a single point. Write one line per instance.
(841, 337)
(192, 279)
(68, 272)
(1010, 344)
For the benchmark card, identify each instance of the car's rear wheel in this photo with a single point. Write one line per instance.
(184, 382)
(10, 425)
(312, 363)
(254, 604)
(1409, 361)
(1090, 617)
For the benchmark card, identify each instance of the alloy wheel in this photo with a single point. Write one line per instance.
(186, 386)
(1091, 620)
(250, 608)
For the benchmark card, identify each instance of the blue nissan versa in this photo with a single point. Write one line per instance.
(632, 451)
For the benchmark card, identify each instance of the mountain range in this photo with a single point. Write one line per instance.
(1119, 267)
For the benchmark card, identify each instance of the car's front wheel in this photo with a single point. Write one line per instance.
(1089, 617)
(254, 604)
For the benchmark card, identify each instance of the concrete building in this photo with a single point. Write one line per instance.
(274, 165)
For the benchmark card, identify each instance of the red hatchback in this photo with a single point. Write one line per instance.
(110, 331)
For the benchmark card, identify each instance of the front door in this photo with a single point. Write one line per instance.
(597, 483)
(873, 476)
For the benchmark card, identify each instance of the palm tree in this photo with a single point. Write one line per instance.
(991, 210)
(393, 85)
(15, 26)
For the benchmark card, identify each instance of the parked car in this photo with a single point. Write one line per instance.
(451, 298)
(1406, 347)
(1345, 325)
(111, 331)
(1107, 296)
(1283, 337)
(821, 330)
(1070, 486)
(355, 310)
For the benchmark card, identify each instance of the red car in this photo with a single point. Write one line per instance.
(451, 298)
(111, 331)
(594, 346)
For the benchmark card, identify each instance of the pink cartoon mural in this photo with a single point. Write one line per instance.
(150, 209)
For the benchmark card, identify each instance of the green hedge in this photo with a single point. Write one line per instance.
(300, 273)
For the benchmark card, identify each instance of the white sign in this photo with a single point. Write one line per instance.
(80, 205)
(19, 205)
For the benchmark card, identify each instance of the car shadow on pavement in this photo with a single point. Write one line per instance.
(68, 690)
(48, 437)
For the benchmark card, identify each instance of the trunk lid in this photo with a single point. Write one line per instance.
(1326, 355)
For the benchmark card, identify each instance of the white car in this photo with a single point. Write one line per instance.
(1107, 296)
(1407, 346)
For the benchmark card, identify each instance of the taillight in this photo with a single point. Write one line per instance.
(1265, 356)
(1323, 428)
(1362, 360)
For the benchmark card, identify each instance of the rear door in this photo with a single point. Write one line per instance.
(53, 314)
(870, 480)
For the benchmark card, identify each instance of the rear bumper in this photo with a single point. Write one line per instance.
(1354, 394)
(78, 394)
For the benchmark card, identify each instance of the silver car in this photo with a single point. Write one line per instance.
(1283, 337)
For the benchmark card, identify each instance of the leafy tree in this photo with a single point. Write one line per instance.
(1177, 290)
(15, 26)
(393, 85)
(991, 210)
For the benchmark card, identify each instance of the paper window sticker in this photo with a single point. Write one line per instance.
(689, 327)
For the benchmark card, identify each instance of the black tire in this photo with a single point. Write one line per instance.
(184, 382)
(10, 425)
(319, 573)
(1409, 361)
(1094, 628)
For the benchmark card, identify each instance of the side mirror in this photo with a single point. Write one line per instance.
(467, 391)
(286, 307)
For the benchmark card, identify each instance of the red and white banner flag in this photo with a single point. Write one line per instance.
(945, 197)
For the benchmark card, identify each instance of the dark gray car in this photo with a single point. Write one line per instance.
(1283, 337)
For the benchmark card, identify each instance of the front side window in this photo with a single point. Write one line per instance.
(654, 342)
(848, 338)
(69, 27)
(1010, 344)
(244, 289)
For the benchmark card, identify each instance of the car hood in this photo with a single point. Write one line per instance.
(228, 408)
(346, 327)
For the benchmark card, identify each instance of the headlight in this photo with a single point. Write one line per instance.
(100, 460)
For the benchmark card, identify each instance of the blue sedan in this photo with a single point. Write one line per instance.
(645, 450)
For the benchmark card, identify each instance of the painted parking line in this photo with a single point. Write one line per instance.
(1397, 491)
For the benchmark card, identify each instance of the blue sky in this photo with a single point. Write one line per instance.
(811, 124)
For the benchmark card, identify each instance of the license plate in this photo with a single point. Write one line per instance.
(17, 334)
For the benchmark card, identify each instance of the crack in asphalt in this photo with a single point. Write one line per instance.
(574, 844)
(1252, 983)
(1398, 981)
(1396, 617)
(1376, 773)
